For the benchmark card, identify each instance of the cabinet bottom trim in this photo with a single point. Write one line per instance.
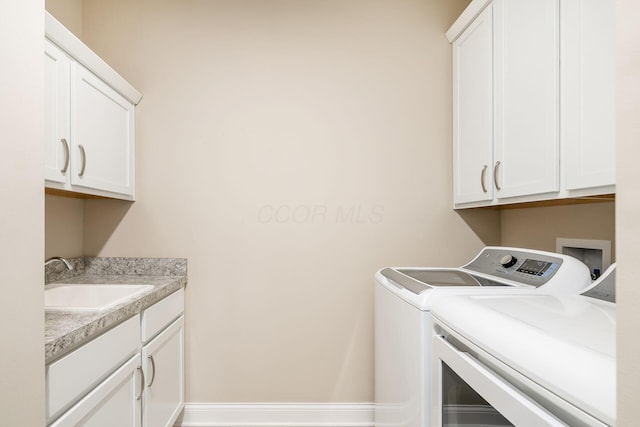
(277, 415)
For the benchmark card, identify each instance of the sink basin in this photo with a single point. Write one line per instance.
(89, 297)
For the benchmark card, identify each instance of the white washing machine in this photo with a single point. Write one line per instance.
(526, 360)
(403, 323)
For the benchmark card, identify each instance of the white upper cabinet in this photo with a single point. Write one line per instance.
(57, 107)
(533, 80)
(526, 121)
(102, 135)
(89, 120)
(473, 116)
(588, 93)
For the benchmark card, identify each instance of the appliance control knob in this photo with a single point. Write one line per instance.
(508, 261)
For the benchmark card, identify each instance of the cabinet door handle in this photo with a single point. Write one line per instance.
(482, 174)
(495, 175)
(65, 144)
(141, 382)
(153, 366)
(84, 159)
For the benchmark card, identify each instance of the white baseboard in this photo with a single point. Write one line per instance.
(277, 415)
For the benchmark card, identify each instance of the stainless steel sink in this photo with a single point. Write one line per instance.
(89, 297)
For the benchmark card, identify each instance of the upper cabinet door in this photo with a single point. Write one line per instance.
(526, 78)
(103, 135)
(473, 111)
(57, 67)
(588, 101)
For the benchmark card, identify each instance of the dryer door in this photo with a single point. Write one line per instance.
(467, 393)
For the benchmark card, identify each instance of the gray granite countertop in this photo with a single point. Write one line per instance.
(67, 330)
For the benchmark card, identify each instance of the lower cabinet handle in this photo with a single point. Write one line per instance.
(482, 174)
(495, 175)
(153, 366)
(65, 144)
(141, 382)
(84, 159)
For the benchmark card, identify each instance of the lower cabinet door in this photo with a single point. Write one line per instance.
(163, 364)
(115, 402)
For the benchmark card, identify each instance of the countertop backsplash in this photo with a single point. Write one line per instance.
(56, 271)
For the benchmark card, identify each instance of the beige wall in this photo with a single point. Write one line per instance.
(64, 222)
(628, 208)
(538, 228)
(68, 12)
(288, 149)
(21, 214)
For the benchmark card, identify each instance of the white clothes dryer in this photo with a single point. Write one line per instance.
(526, 360)
(403, 323)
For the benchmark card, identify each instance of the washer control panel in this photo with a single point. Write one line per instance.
(520, 266)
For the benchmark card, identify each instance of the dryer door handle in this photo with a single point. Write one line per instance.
(504, 397)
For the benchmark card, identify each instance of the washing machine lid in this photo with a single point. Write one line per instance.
(418, 280)
(566, 344)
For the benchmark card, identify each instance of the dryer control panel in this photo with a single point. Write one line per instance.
(530, 268)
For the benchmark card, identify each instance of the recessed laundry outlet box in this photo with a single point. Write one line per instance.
(596, 254)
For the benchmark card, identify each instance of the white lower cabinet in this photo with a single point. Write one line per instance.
(82, 371)
(130, 376)
(163, 357)
(115, 402)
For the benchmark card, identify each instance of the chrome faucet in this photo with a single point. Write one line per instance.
(62, 260)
